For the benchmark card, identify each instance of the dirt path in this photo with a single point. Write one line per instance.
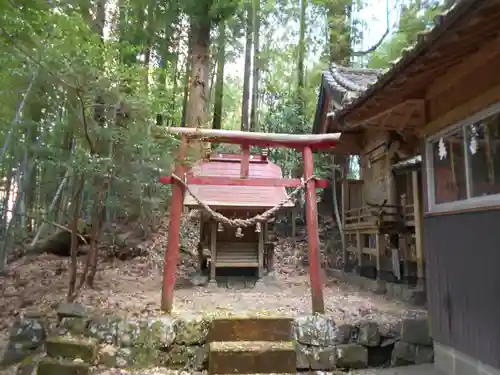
(132, 288)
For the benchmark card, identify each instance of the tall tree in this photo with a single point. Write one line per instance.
(302, 53)
(254, 112)
(219, 83)
(248, 67)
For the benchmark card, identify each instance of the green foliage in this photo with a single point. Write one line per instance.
(416, 16)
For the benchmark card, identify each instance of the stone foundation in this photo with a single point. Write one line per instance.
(79, 340)
(413, 295)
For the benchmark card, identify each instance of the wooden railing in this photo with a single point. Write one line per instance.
(371, 215)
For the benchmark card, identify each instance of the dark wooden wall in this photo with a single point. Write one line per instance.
(462, 253)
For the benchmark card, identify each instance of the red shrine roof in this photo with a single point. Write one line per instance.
(228, 165)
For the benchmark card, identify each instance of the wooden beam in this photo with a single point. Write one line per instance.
(463, 111)
(419, 222)
(297, 141)
(324, 119)
(229, 181)
(382, 114)
(487, 51)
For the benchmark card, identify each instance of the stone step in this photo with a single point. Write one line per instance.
(251, 329)
(67, 347)
(51, 366)
(252, 357)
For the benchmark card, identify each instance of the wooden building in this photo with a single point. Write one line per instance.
(378, 207)
(445, 93)
(236, 247)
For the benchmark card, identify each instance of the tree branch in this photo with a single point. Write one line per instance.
(382, 38)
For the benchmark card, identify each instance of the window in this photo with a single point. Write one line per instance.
(450, 183)
(463, 165)
(483, 141)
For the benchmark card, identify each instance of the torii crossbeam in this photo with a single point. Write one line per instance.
(304, 143)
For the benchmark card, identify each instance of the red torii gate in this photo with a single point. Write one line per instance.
(305, 143)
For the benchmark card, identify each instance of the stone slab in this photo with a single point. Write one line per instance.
(48, 366)
(251, 329)
(252, 357)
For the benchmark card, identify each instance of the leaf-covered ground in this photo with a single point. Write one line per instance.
(133, 288)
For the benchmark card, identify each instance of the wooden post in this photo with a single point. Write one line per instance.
(380, 249)
(318, 304)
(245, 161)
(360, 250)
(419, 221)
(172, 253)
(261, 252)
(213, 249)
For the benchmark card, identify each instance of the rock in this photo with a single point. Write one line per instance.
(106, 330)
(67, 347)
(199, 360)
(389, 341)
(192, 330)
(390, 329)
(111, 356)
(344, 333)
(71, 310)
(49, 366)
(25, 340)
(315, 357)
(134, 333)
(181, 355)
(424, 354)
(416, 331)
(162, 332)
(77, 326)
(369, 334)
(403, 354)
(199, 280)
(406, 354)
(30, 332)
(317, 330)
(352, 356)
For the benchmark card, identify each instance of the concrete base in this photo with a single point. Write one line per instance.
(452, 362)
(428, 369)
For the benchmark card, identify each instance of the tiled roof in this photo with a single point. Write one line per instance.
(343, 85)
(348, 83)
(236, 196)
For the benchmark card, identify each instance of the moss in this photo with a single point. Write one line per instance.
(68, 347)
(50, 366)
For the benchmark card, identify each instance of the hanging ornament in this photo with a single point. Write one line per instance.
(473, 146)
(257, 228)
(442, 149)
(369, 163)
(220, 228)
(239, 233)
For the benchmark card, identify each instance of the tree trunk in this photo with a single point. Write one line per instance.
(339, 17)
(187, 77)
(200, 69)
(219, 83)
(247, 72)
(302, 54)
(254, 115)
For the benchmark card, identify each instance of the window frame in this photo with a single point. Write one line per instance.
(469, 202)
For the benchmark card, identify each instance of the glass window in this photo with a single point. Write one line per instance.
(450, 183)
(483, 148)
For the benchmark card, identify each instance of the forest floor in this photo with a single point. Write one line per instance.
(133, 288)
